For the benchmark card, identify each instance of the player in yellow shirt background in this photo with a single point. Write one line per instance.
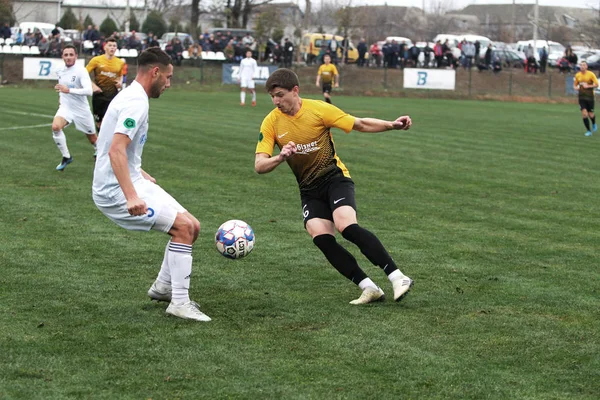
(585, 83)
(301, 128)
(106, 72)
(327, 73)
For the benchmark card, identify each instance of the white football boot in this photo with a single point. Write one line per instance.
(189, 310)
(369, 295)
(160, 292)
(401, 286)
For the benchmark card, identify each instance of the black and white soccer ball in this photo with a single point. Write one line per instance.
(235, 239)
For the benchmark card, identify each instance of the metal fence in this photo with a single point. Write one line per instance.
(470, 83)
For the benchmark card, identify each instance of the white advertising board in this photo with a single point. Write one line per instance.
(439, 79)
(43, 68)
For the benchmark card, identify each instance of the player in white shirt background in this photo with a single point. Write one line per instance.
(248, 67)
(74, 86)
(130, 197)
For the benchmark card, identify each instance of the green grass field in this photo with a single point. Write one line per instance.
(491, 207)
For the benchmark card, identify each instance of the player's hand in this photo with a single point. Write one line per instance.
(118, 84)
(402, 123)
(137, 206)
(287, 151)
(147, 176)
(61, 88)
(96, 88)
(336, 85)
(317, 85)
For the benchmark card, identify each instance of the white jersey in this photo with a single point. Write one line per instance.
(127, 114)
(248, 67)
(77, 79)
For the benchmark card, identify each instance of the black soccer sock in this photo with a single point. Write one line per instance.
(586, 122)
(371, 247)
(340, 258)
(327, 100)
(593, 119)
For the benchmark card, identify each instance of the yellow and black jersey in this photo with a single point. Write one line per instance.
(588, 77)
(106, 72)
(316, 160)
(327, 72)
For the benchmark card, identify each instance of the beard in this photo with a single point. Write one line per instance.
(156, 90)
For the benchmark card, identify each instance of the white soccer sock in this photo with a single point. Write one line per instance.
(180, 263)
(61, 142)
(253, 96)
(243, 97)
(365, 283)
(395, 275)
(164, 276)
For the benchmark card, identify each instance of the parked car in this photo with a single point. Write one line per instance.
(593, 63)
(310, 46)
(167, 37)
(44, 28)
(509, 58)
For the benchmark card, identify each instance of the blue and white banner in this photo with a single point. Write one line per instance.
(439, 79)
(231, 74)
(43, 68)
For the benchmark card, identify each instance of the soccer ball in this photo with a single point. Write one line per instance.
(234, 239)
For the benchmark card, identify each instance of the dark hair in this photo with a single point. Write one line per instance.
(69, 46)
(283, 78)
(153, 56)
(111, 39)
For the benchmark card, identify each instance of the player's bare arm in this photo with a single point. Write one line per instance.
(118, 160)
(147, 176)
(336, 80)
(378, 125)
(264, 163)
(318, 80)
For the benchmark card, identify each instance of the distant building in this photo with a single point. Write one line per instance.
(496, 21)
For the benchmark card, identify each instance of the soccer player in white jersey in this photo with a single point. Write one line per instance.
(74, 86)
(130, 197)
(248, 67)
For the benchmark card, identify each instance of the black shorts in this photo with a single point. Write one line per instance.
(321, 202)
(100, 102)
(327, 87)
(586, 104)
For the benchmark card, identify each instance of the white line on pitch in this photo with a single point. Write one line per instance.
(28, 113)
(12, 128)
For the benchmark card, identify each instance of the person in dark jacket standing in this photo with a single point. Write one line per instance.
(362, 51)
(288, 53)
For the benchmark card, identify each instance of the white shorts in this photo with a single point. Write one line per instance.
(247, 83)
(162, 208)
(84, 120)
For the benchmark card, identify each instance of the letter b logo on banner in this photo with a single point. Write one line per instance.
(422, 79)
(45, 68)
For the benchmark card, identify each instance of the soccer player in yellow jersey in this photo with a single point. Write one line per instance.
(585, 82)
(301, 129)
(106, 72)
(327, 73)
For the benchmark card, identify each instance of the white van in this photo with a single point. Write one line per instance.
(399, 40)
(453, 41)
(44, 28)
(555, 49)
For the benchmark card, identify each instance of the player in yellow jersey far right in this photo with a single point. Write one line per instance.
(328, 73)
(585, 83)
(301, 128)
(106, 71)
